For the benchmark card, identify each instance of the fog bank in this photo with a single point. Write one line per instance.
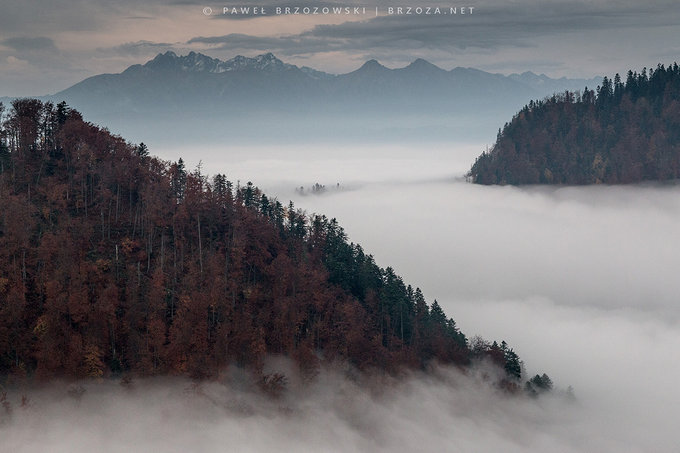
(610, 247)
(447, 411)
(580, 281)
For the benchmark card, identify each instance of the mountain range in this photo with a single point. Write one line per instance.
(171, 97)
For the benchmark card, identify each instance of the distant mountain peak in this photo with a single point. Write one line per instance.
(267, 56)
(198, 62)
(166, 56)
(421, 64)
(268, 59)
(543, 82)
(266, 62)
(372, 65)
(191, 62)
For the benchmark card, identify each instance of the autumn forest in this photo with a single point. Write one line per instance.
(114, 262)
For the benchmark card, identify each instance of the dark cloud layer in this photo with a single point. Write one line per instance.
(23, 44)
(561, 37)
(491, 25)
(139, 48)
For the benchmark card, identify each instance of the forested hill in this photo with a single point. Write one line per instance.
(113, 261)
(622, 133)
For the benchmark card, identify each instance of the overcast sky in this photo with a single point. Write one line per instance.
(46, 47)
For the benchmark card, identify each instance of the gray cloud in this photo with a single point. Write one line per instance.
(492, 25)
(138, 48)
(23, 44)
(519, 17)
(239, 40)
(73, 15)
(25, 61)
(283, 45)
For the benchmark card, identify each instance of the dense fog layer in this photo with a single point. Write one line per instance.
(580, 281)
(609, 247)
(444, 411)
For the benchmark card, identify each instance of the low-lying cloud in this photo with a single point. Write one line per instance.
(580, 281)
(608, 247)
(447, 411)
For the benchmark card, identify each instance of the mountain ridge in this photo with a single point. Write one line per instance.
(174, 97)
(268, 61)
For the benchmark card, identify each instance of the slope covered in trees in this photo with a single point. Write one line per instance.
(113, 261)
(623, 133)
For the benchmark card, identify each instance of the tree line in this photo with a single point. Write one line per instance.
(623, 132)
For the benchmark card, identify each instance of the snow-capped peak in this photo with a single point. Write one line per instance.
(198, 62)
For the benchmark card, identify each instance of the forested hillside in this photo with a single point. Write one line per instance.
(622, 133)
(113, 261)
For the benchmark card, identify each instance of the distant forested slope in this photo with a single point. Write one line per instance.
(622, 133)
